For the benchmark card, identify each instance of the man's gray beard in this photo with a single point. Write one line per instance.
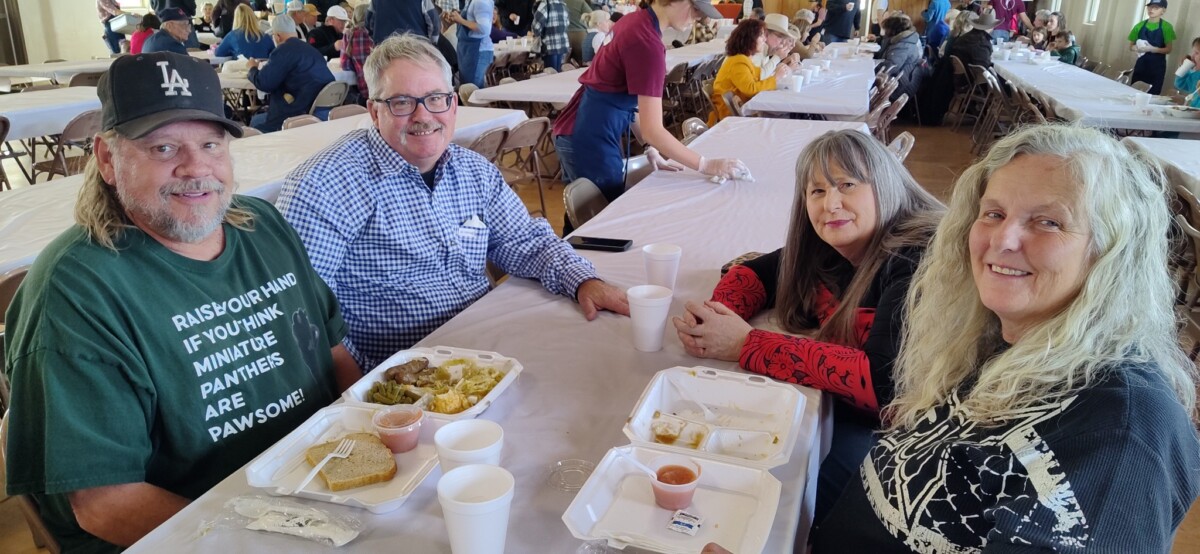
(158, 217)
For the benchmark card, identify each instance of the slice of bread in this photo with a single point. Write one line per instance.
(370, 462)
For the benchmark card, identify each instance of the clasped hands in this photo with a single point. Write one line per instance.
(711, 330)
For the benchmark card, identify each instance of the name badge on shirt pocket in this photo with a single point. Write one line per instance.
(472, 227)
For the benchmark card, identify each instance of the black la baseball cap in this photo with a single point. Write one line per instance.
(140, 93)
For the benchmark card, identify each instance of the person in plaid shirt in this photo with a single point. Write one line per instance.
(356, 47)
(400, 222)
(606, 5)
(550, 25)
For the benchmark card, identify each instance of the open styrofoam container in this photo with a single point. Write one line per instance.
(283, 466)
(757, 418)
(437, 356)
(737, 504)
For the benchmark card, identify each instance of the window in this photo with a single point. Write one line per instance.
(1091, 12)
(134, 4)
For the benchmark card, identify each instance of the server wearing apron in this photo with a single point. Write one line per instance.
(626, 78)
(1151, 38)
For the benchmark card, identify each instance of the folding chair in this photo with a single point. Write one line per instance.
(523, 141)
(331, 96)
(300, 121)
(583, 200)
(489, 143)
(349, 110)
(77, 134)
(902, 145)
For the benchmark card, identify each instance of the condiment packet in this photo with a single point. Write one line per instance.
(685, 522)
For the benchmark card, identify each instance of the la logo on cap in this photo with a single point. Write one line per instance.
(172, 82)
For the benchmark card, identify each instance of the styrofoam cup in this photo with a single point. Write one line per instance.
(476, 500)
(797, 82)
(826, 65)
(1141, 99)
(807, 73)
(1006, 55)
(1185, 67)
(469, 441)
(662, 264)
(648, 309)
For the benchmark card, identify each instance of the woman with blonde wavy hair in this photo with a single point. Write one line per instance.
(246, 39)
(1042, 400)
(859, 227)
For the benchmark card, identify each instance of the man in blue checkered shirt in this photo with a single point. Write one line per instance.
(399, 222)
(550, 23)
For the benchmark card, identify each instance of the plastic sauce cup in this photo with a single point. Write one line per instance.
(399, 427)
(677, 479)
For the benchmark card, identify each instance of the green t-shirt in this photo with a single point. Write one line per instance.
(143, 365)
(1167, 29)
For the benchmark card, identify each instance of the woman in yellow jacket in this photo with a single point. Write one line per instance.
(738, 73)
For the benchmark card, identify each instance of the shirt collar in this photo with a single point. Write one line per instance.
(390, 161)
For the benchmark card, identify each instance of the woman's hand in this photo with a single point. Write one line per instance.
(782, 71)
(712, 330)
(714, 548)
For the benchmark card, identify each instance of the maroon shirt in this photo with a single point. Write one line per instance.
(635, 62)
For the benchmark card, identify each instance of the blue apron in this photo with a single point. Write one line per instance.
(1151, 67)
(468, 54)
(600, 121)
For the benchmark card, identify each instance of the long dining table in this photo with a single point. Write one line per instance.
(582, 379)
(60, 72)
(30, 217)
(844, 90)
(1083, 97)
(1179, 158)
(45, 112)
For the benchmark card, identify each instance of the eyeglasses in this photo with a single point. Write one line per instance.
(437, 102)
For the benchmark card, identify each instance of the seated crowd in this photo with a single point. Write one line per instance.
(1005, 369)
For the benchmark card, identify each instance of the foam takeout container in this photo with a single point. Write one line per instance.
(438, 356)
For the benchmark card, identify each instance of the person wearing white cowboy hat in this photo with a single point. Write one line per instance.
(780, 40)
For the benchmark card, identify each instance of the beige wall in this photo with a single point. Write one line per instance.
(1107, 39)
(66, 29)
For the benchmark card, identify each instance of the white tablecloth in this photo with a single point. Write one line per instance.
(59, 71)
(236, 80)
(582, 379)
(557, 88)
(1087, 98)
(208, 38)
(1180, 158)
(695, 54)
(842, 91)
(31, 217)
(45, 112)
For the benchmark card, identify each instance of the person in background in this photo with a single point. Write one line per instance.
(818, 7)
(499, 33)
(222, 16)
(577, 29)
(387, 18)
(475, 49)
(1036, 39)
(1151, 38)
(859, 228)
(900, 48)
(246, 39)
(204, 20)
(106, 10)
(295, 75)
(86, 334)
(624, 84)
(1064, 47)
(842, 21)
(1010, 14)
(172, 33)
(599, 32)
(1187, 77)
(959, 26)
(516, 16)
(1053, 23)
(778, 50)
(327, 38)
(323, 7)
(1043, 403)
(146, 27)
(401, 222)
(703, 30)
(358, 46)
(936, 36)
(738, 73)
(933, 14)
(975, 46)
(550, 23)
(603, 5)
(801, 24)
(298, 11)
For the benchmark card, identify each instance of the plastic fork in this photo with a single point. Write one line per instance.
(343, 450)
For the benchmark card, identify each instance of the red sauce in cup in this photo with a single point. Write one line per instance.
(676, 475)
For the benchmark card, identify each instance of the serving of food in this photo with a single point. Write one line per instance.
(447, 382)
(1184, 111)
(449, 388)
(370, 462)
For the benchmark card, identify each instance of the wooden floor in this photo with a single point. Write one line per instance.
(939, 156)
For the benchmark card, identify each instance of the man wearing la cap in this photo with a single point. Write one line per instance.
(294, 75)
(780, 41)
(173, 332)
(327, 38)
(172, 35)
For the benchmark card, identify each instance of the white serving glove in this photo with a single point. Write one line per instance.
(721, 169)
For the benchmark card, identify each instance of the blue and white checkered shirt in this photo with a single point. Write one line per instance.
(550, 23)
(402, 259)
(606, 5)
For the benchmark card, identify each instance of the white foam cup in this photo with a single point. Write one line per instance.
(1185, 67)
(826, 65)
(476, 500)
(1006, 55)
(469, 441)
(648, 309)
(662, 263)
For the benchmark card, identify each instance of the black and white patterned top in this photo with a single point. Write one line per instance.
(1111, 469)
